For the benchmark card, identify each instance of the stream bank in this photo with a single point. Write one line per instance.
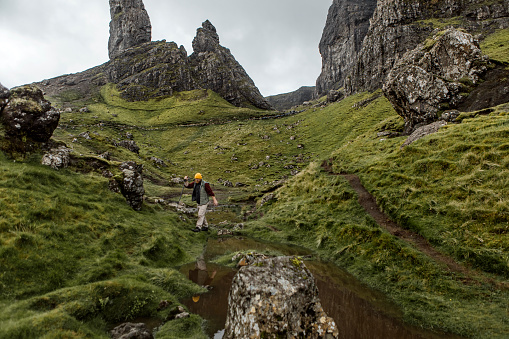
(358, 311)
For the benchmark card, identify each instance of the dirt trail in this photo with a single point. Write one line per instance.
(368, 202)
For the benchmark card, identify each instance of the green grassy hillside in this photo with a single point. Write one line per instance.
(450, 187)
(76, 260)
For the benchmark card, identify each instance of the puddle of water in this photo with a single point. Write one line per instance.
(359, 312)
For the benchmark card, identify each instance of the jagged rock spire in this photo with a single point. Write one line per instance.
(129, 27)
(207, 39)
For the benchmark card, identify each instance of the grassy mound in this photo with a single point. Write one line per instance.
(75, 259)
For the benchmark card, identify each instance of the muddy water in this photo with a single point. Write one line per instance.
(358, 311)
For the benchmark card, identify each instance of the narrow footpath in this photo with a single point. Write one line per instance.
(368, 202)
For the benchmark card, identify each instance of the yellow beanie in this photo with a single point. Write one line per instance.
(198, 176)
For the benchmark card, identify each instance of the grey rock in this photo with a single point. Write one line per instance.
(423, 131)
(450, 116)
(206, 39)
(57, 158)
(129, 145)
(131, 331)
(106, 155)
(182, 315)
(335, 95)
(28, 115)
(161, 69)
(85, 135)
(422, 82)
(177, 181)
(269, 197)
(131, 184)
(276, 297)
(129, 27)
(152, 70)
(158, 162)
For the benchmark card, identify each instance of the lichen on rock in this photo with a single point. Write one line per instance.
(130, 184)
(57, 158)
(276, 298)
(423, 82)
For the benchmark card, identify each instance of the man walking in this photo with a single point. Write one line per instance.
(201, 194)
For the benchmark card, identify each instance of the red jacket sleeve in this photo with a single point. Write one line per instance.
(209, 190)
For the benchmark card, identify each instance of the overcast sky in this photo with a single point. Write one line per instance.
(276, 41)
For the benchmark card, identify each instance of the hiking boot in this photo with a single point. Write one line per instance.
(196, 229)
(205, 229)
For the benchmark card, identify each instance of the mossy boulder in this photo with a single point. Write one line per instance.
(424, 82)
(28, 116)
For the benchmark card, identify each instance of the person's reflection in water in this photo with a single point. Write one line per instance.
(201, 276)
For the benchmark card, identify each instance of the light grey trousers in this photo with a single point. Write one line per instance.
(202, 221)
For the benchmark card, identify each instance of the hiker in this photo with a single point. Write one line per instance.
(201, 194)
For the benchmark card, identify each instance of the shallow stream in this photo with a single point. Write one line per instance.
(358, 311)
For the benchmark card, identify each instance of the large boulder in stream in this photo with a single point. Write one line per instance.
(276, 298)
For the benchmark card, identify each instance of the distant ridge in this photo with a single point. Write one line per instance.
(286, 101)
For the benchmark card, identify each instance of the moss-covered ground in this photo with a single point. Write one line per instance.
(76, 260)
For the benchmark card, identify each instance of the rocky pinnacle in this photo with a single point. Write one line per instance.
(129, 27)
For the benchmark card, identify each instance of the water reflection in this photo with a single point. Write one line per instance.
(212, 305)
(358, 311)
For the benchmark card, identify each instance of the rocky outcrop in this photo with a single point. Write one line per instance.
(131, 184)
(399, 26)
(28, 116)
(129, 27)
(130, 331)
(283, 102)
(216, 69)
(395, 27)
(129, 145)
(4, 97)
(425, 81)
(423, 131)
(57, 158)
(144, 70)
(152, 70)
(347, 25)
(160, 69)
(276, 297)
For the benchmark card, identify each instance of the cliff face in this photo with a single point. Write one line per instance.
(395, 27)
(347, 25)
(398, 26)
(129, 27)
